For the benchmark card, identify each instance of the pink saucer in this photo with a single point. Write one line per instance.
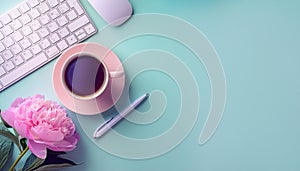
(101, 103)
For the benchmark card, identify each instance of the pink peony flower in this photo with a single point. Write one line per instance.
(44, 123)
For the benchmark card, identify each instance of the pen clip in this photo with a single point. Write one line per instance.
(101, 126)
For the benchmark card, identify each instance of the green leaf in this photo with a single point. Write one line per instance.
(51, 162)
(6, 133)
(23, 143)
(57, 160)
(53, 166)
(32, 162)
(51, 153)
(16, 132)
(5, 146)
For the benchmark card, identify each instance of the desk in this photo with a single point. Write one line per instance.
(258, 44)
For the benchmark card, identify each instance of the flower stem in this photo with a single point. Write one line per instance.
(18, 159)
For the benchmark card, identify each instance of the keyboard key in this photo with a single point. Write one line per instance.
(36, 49)
(71, 3)
(2, 48)
(80, 34)
(24, 7)
(7, 30)
(17, 36)
(7, 54)
(45, 19)
(71, 40)
(63, 32)
(32, 3)
(35, 25)
(62, 45)
(8, 66)
(25, 43)
(63, 8)
(78, 23)
(52, 3)
(78, 9)
(18, 60)
(16, 24)
(2, 71)
(44, 8)
(1, 36)
(54, 14)
(5, 19)
(25, 19)
(74, 4)
(34, 37)
(71, 15)
(23, 69)
(8, 41)
(26, 54)
(43, 32)
(45, 44)
(34, 13)
(53, 26)
(26, 30)
(62, 21)
(89, 29)
(52, 52)
(54, 38)
(15, 13)
(1, 60)
(16, 49)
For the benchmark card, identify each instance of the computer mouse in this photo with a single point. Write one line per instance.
(114, 12)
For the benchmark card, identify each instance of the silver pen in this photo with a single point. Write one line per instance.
(103, 128)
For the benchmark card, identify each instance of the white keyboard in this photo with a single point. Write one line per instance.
(37, 31)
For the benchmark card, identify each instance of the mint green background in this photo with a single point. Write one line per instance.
(258, 43)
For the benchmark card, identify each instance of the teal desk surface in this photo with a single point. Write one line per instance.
(258, 46)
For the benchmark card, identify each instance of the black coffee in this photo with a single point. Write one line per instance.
(84, 75)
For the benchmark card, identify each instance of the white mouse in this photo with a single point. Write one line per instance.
(114, 12)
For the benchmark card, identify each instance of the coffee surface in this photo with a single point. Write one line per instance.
(84, 75)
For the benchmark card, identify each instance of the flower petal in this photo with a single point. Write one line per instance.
(37, 149)
(17, 101)
(9, 116)
(45, 134)
(68, 144)
(21, 128)
(56, 148)
(39, 96)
